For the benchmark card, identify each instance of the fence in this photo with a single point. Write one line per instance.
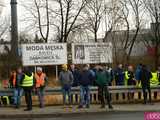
(119, 94)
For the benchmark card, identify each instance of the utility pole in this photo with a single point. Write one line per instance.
(14, 29)
(14, 33)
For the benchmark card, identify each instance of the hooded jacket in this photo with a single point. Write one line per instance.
(66, 78)
(119, 76)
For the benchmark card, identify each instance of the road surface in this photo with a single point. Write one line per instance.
(98, 116)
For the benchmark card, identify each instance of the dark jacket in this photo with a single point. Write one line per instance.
(102, 78)
(19, 79)
(86, 78)
(76, 76)
(119, 76)
(131, 78)
(145, 76)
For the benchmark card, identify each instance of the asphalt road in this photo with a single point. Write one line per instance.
(99, 116)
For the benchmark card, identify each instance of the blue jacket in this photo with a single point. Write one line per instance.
(86, 78)
(19, 78)
(119, 76)
(138, 73)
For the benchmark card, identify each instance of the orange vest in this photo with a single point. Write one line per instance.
(14, 79)
(40, 80)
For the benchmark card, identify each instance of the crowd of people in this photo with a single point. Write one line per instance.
(25, 81)
(104, 76)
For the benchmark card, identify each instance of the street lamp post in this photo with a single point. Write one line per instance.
(14, 29)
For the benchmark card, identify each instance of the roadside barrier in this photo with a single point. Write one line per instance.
(119, 94)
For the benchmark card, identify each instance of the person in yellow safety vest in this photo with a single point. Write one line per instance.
(159, 74)
(154, 81)
(129, 80)
(27, 85)
(40, 83)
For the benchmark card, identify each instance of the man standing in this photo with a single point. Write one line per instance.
(27, 84)
(76, 75)
(41, 80)
(119, 78)
(129, 78)
(103, 80)
(66, 81)
(145, 77)
(18, 89)
(137, 77)
(86, 79)
(159, 74)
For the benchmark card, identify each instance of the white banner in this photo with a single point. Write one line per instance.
(44, 54)
(83, 53)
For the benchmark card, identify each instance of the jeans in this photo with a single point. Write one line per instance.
(40, 92)
(66, 90)
(17, 96)
(28, 97)
(84, 95)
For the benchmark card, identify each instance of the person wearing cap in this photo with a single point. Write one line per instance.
(40, 83)
(66, 80)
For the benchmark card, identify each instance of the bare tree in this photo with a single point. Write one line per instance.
(39, 6)
(60, 17)
(4, 25)
(94, 12)
(70, 10)
(153, 7)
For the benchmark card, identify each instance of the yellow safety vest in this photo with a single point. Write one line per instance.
(28, 81)
(126, 78)
(154, 80)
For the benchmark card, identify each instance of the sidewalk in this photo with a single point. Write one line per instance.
(57, 111)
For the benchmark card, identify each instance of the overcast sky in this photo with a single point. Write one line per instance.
(21, 14)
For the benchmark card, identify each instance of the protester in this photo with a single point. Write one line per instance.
(154, 81)
(12, 85)
(86, 79)
(137, 77)
(119, 78)
(66, 81)
(130, 80)
(159, 74)
(40, 83)
(27, 85)
(76, 75)
(18, 91)
(103, 80)
(111, 73)
(145, 77)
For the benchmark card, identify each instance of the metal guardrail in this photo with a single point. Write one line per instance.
(75, 90)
